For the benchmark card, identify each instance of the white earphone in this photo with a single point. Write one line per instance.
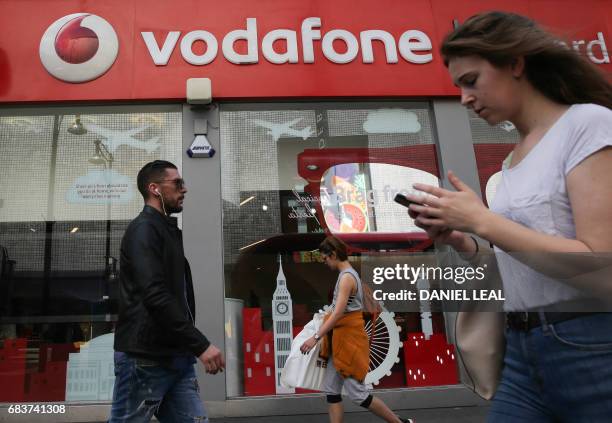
(161, 197)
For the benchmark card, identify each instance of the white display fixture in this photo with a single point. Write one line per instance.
(282, 318)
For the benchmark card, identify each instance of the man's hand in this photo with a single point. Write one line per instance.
(213, 360)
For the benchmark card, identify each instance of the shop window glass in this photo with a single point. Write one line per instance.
(357, 197)
(292, 174)
(492, 144)
(66, 197)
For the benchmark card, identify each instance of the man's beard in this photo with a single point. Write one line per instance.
(174, 209)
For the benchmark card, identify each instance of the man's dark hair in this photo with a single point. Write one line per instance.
(152, 172)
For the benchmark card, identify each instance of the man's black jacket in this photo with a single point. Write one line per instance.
(155, 288)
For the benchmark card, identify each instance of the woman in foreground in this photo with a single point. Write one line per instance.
(554, 199)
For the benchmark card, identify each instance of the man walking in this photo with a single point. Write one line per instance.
(156, 341)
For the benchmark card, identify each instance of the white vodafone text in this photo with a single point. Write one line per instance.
(414, 46)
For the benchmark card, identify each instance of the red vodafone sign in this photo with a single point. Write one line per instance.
(135, 50)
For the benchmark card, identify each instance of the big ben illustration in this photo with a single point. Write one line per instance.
(282, 318)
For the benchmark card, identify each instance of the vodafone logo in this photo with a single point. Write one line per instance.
(79, 47)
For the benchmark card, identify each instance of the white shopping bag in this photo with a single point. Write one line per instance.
(305, 370)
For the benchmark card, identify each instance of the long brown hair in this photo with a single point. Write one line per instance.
(557, 71)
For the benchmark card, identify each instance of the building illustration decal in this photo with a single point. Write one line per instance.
(90, 373)
(282, 318)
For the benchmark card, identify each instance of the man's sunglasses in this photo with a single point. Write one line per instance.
(179, 183)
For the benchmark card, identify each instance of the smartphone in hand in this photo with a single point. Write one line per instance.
(404, 201)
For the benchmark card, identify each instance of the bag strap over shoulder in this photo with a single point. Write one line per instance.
(371, 308)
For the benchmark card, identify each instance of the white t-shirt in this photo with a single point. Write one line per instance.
(534, 194)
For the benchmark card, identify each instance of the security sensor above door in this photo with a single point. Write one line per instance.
(199, 91)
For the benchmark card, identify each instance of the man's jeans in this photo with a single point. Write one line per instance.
(559, 372)
(145, 388)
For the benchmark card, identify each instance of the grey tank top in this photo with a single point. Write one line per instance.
(355, 302)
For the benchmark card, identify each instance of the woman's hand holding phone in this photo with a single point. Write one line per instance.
(447, 215)
(438, 234)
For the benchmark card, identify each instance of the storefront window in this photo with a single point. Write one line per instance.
(292, 174)
(492, 144)
(67, 192)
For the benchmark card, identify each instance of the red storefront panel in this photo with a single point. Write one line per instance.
(134, 76)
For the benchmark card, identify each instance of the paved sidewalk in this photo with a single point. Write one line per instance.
(429, 415)
(434, 415)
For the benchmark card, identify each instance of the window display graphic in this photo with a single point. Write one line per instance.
(424, 307)
(62, 371)
(23, 382)
(115, 139)
(67, 193)
(282, 317)
(421, 368)
(346, 211)
(296, 172)
(358, 197)
(90, 372)
(279, 129)
(259, 354)
(21, 125)
(384, 347)
(427, 360)
(101, 187)
(392, 121)
(355, 186)
(12, 368)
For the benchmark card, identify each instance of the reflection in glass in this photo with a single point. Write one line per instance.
(358, 197)
(283, 193)
(62, 218)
